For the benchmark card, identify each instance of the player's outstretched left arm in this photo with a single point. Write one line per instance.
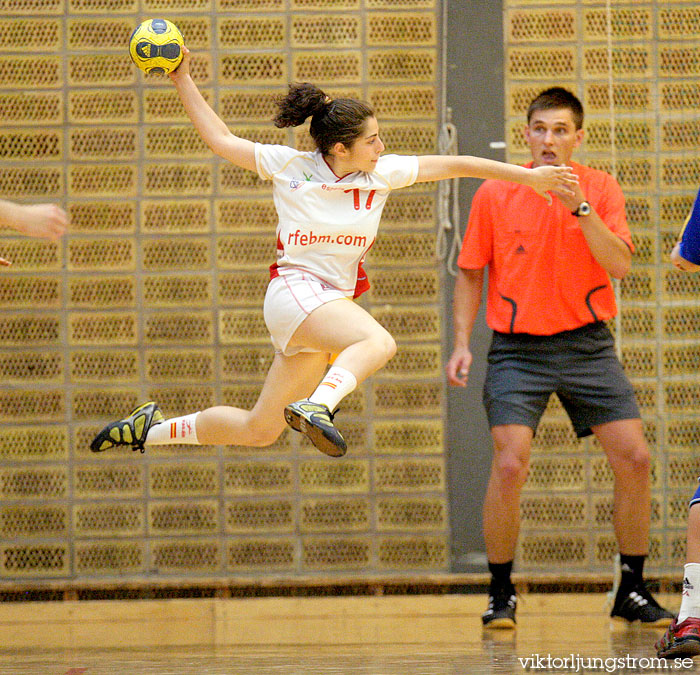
(208, 124)
(541, 179)
(45, 221)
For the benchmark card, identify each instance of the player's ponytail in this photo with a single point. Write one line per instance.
(302, 101)
(333, 121)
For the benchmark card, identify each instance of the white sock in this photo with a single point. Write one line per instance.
(175, 430)
(690, 602)
(334, 387)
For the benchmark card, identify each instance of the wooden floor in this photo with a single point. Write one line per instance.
(387, 635)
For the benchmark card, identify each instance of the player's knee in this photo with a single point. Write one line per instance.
(512, 470)
(639, 461)
(262, 437)
(385, 346)
(634, 463)
(390, 347)
(380, 347)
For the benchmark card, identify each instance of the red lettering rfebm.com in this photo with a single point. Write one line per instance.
(299, 238)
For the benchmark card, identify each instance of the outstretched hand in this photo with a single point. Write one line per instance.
(47, 221)
(561, 179)
(184, 67)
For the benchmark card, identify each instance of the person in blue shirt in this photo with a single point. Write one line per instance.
(686, 253)
(682, 638)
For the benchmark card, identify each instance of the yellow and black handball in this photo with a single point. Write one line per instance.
(156, 46)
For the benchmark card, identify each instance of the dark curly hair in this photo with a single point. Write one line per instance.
(339, 120)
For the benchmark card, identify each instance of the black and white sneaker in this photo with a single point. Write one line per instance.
(501, 610)
(315, 421)
(131, 431)
(638, 604)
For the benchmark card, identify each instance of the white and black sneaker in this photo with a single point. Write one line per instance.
(315, 421)
(500, 612)
(638, 604)
(131, 431)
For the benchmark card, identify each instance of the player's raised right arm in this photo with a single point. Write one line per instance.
(208, 124)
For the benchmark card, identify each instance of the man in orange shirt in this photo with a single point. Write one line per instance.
(549, 293)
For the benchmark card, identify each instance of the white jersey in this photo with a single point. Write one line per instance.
(326, 223)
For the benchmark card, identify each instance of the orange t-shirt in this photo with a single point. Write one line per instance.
(543, 278)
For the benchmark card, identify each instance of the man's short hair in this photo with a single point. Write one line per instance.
(555, 98)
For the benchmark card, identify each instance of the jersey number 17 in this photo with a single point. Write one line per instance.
(356, 198)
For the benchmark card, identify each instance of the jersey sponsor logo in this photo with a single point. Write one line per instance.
(299, 238)
(295, 184)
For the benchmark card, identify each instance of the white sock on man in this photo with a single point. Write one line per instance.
(176, 430)
(335, 386)
(690, 603)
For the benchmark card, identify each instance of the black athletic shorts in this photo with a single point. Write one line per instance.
(579, 365)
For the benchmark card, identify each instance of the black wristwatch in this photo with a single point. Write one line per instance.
(584, 209)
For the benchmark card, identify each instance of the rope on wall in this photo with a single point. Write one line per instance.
(611, 90)
(447, 240)
(613, 155)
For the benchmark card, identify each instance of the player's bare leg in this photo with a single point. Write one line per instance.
(628, 454)
(362, 346)
(501, 518)
(289, 378)
(682, 637)
(624, 444)
(509, 470)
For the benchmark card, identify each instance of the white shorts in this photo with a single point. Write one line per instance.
(289, 299)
